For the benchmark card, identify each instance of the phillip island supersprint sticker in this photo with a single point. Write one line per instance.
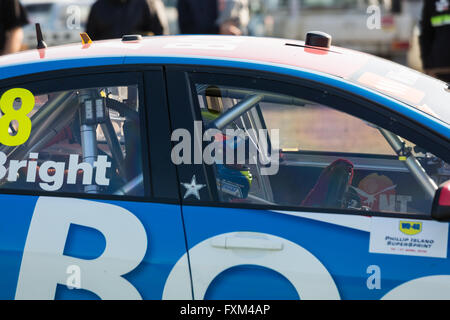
(408, 237)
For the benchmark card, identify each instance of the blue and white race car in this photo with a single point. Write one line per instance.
(216, 167)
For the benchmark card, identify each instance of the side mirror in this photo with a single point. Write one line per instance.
(441, 203)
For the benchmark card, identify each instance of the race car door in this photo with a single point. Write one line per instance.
(84, 216)
(294, 190)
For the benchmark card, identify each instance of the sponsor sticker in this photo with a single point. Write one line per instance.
(408, 237)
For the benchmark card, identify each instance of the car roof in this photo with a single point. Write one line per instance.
(335, 65)
(334, 61)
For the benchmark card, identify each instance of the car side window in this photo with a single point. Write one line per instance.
(82, 141)
(283, 150)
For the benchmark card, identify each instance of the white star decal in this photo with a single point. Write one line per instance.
(192, 188)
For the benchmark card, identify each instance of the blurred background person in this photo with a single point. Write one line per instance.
(213, 16)
(435, 38)
(109, 19)
(233, 17)
(12, 18)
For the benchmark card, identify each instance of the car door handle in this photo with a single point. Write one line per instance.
(241, 242)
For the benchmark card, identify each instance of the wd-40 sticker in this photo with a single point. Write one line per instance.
(409, 237)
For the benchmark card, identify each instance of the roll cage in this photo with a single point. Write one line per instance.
(248, 100)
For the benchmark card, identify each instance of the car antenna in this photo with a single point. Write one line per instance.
(40, 39)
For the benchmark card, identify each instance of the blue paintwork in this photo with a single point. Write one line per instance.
(23, 69)
(343, 251)
(15, 217)
(162, 223)
(250, 282)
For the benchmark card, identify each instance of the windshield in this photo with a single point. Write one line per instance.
(407, 85)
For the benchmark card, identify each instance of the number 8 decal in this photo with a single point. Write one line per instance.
(10, 114)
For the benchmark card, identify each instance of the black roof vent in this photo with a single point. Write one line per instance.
(318, 39)
(131, 37)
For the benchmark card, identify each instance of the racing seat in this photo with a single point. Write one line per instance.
(329, 190)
